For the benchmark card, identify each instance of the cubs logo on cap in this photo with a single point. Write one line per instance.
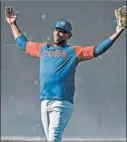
(64, 25)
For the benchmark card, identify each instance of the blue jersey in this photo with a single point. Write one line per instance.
(58, 66)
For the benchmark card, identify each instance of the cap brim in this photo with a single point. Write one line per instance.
(61, 29)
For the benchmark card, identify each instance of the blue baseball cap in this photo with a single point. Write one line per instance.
(64, 25)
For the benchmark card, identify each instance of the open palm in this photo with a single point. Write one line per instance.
(10, 15)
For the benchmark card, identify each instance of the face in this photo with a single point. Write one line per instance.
(60, 36)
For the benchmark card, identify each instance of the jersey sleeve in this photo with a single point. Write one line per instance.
(33, 48)
(84, 52)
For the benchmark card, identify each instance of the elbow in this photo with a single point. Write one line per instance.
(97, 51)
(104, 46)
(21, 41)
(22, 46)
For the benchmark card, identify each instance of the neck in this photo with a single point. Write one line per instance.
(60, 44)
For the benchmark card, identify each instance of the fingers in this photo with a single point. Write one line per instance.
(9, 12)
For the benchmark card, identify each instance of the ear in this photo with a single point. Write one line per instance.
(69, 35)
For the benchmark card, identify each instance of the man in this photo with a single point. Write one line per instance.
(58, 62)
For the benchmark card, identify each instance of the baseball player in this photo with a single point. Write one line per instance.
(58, 62)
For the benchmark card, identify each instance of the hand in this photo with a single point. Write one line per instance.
(10, 16)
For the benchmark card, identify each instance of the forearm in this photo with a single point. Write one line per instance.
(15, 30)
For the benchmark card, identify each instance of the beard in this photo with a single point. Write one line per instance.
(60, 42)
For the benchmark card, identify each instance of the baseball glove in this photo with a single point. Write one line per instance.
(121, 16)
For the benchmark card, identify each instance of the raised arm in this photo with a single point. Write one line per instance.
(89, 52)
(30, 47)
